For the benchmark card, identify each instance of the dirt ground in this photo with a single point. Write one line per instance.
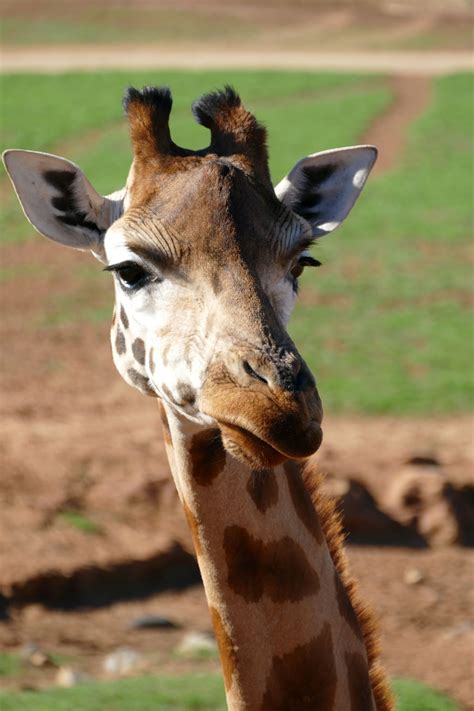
(76, 440)
(85, 58)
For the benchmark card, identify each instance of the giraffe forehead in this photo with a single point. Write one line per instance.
(203, 216)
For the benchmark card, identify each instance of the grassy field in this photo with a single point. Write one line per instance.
(385, 323)
(197, 691)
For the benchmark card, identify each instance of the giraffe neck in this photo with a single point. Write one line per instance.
(288, 637)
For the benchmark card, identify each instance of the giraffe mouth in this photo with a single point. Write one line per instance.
(263, 428)
(261, 454)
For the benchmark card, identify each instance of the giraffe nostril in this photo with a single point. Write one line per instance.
(295, 366)
(253, 374)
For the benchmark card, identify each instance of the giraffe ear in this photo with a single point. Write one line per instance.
(59, 201)
(323, 187)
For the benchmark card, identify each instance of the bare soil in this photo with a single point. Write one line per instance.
(91, 58)
(76, 439)
(411, 97)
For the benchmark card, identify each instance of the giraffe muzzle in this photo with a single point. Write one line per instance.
(264, 425)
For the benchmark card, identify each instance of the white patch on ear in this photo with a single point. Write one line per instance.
(323, 187)
(59, 201)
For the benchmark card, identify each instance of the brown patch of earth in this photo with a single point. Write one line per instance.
(131, 57)
(411, 97)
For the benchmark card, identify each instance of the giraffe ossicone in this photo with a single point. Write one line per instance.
(206, 255)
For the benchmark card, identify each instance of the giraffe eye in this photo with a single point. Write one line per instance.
(297, 270)
(131, 275)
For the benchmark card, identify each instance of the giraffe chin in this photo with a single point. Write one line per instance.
(253, 451)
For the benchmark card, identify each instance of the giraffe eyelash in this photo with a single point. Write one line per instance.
(131, 275)
(306, 261)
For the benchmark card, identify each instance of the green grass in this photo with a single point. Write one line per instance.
(67, 105)
(194, 691)
(414, 696)
(80, 117)
(385, 323)
(80, 522)
(10, 665)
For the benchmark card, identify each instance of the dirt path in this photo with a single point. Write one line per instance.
(411, 96)
(90, 58)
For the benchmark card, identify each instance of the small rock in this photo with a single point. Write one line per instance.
(27, 650)
(32, 613)
(39, 659)
(122, 661)
(413, 576)
(197, 645)
(153, 622)
(67, 677)
(32, 654)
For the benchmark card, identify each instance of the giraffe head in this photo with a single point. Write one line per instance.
(205, 255)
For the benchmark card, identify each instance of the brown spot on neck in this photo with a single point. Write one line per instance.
(263, 488)
(302, 501)
(304, 679)
(279, 569)
(207, 456)
(331, 526)
(360, 690)
(227, 650)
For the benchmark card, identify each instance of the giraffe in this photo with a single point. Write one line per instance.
(205, 256)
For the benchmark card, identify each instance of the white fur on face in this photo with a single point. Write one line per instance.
(181, 326)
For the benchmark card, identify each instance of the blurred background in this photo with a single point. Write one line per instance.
(97, 576)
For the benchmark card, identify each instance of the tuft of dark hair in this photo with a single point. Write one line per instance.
(158, 98)
(208, 106)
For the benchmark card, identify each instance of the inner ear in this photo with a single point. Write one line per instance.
(322, 188)
(58, 200)
(68, 200)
